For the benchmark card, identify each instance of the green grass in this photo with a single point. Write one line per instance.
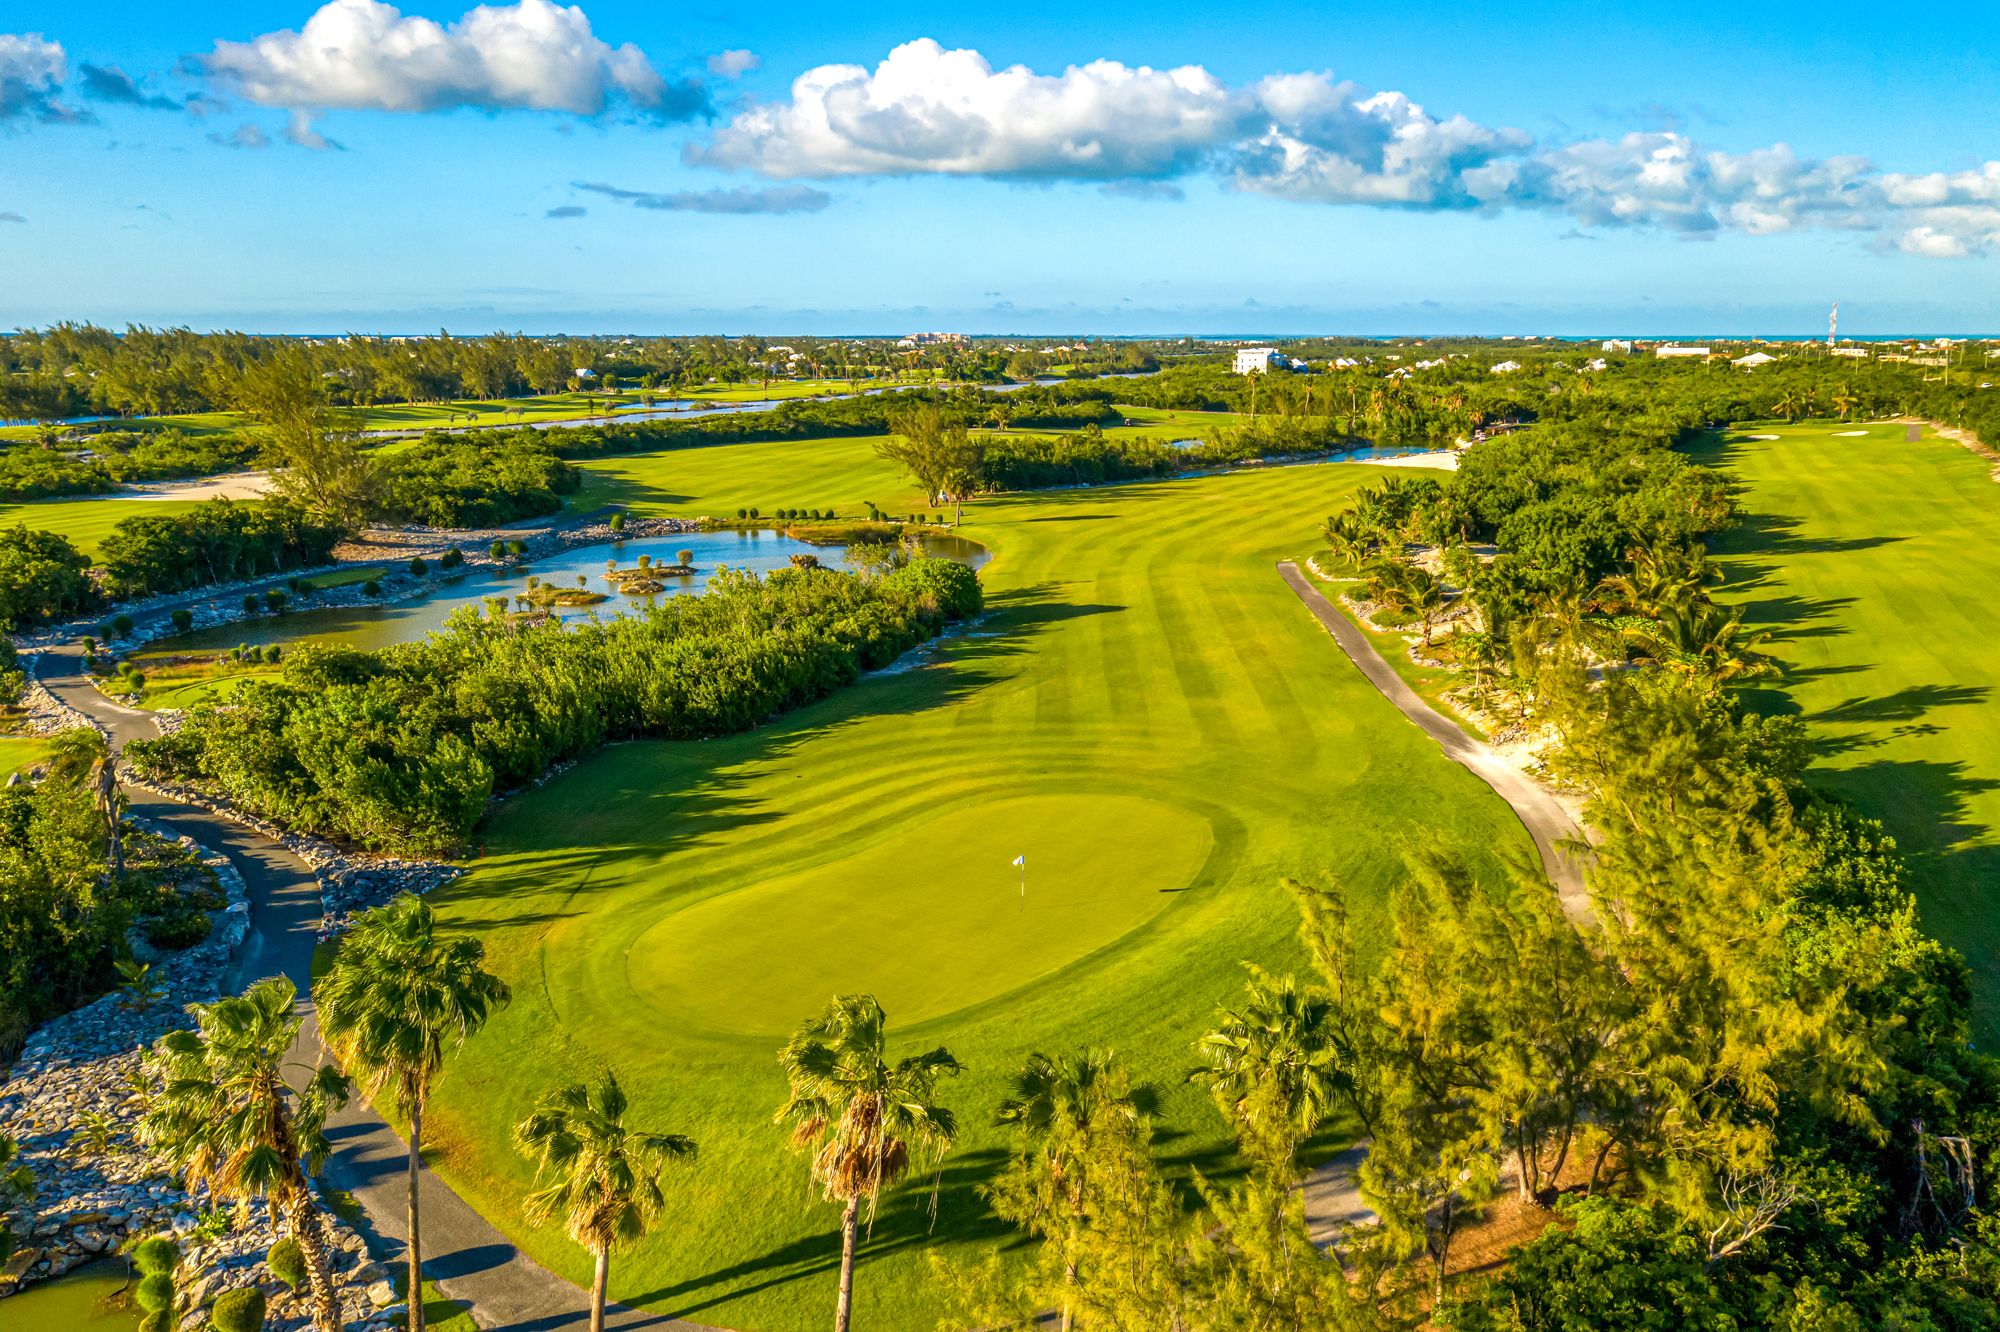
(1146, 710)
(18, 753)
(1867, 558)
(87, 521)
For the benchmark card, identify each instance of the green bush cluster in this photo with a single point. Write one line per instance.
(217, 542)
(461, 481)
(400, 750)
(42, 579)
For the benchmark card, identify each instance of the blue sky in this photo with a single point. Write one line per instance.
(1529, 167)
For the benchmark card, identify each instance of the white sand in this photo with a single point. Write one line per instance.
(230, 485)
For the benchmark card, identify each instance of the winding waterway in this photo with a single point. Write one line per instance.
(377, 626)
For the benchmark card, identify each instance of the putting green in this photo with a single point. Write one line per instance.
(1098, 868)
(1144, 706)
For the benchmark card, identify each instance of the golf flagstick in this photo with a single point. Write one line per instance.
(1022, 861)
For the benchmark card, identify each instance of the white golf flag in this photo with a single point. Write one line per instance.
(1021, 859)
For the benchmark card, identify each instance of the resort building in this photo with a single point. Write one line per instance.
(1255, 360)
(1673, 350)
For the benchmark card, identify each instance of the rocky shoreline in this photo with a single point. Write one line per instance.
(73, 1099)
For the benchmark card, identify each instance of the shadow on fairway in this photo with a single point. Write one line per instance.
(916, 1214)
(712, 808)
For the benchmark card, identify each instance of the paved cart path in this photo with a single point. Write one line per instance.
(1547, 822)
(468, 1258)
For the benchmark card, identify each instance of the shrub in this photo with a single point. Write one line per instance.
(684, 557)
(305, 587)
(953, 587)
(418, 567)
(451, 559)
(517, 548)
(156, 1292)
(122, 625)
(183, 620)
(154, 1255)
(743, 513)
(287, 1262)
(371, 588)
(753, 511)
(276, 598)
(618, 522)
(182, 929)
(238, 1311)
(498, 550)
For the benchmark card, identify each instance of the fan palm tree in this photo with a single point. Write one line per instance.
(861, 1120)
(1274, 1066)
(1705, 640)
(395, 1002)
(227, 1118)
(604, 1177)
(1662, 575)
(80, 756)
(1350, 539)
(1063, 1104)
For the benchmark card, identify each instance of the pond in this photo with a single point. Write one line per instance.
(76, 1302)
(377, 626)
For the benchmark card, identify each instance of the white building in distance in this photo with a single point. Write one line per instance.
(1255, 360)
(1506, 368)
(1753, 360)
(1672, 350)
(1852, 353)
(1616, 345)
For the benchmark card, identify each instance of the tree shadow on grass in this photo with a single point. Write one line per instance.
(1793, 619)
(1904, 714)
(905, 1221)
(1777, 535)
(714, 806)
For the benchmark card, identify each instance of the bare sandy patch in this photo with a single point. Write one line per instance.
(230, 485)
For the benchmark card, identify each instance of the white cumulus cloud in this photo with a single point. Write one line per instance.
(1312, 138)
(366, 55)
(32, 72)
(928, 110)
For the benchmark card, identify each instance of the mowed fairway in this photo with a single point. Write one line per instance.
(87, 521)
(1146, 712)
(1867, 556)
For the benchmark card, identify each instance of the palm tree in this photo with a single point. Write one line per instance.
(1845, 400)
(80, 756)
(1063, 1104)
(1274, 1066)
(861, 1119)
(1707, 641)
(395, 1002)
(604, 1177)
(227, 1118)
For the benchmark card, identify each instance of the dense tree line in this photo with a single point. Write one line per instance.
(399, 750)
(217, 542)
(1764, 1060)
(73, 370)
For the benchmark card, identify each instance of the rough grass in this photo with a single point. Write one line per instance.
(1185, 734)
(1866, 558)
